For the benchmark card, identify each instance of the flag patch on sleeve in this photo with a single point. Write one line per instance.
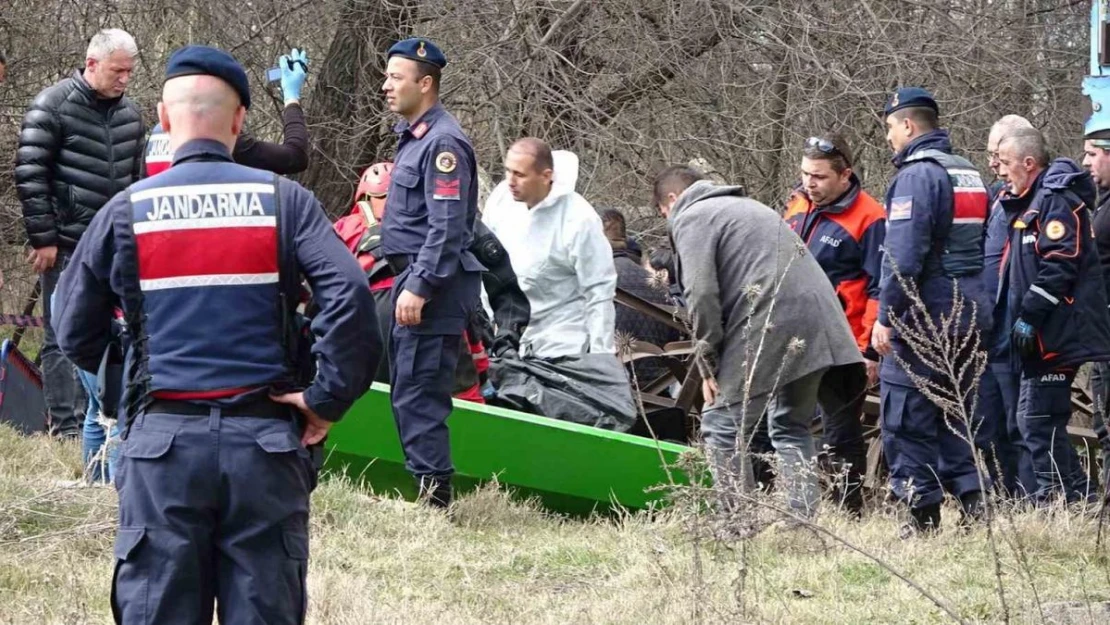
(445, 188)
(901, 208)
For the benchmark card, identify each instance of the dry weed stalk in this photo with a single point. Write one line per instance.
(949, 345)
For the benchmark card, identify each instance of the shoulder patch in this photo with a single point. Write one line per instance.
(446, 188)
(901, 208)
(1055, 230)
(446, 162)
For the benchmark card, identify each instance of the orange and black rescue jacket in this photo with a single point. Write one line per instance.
(846, 239)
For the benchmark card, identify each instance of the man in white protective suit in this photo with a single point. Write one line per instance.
(558, 250)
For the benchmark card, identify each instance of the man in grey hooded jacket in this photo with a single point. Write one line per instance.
(768, 323)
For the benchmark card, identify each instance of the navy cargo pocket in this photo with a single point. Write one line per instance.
(430, 350)
(295, 540)
(893, 407)
(143, 444)
(1049, 395)
(287, 442)
(130, 591)
(279, 442)
(405, 343)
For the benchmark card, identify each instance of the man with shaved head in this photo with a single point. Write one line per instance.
(214, 473)
(559, 251)
(1057, 303)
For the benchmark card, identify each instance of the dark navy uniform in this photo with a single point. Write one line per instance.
(427, 231)
(213, 480)
(997, 430)
(1057, 287)
(936, 209)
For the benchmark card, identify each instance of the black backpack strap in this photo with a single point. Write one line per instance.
(285, 299)
(293, 342)
(137, 394)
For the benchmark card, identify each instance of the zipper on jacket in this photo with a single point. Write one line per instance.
(809, 227)
(111, 146)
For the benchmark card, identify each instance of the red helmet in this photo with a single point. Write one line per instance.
(374, 181)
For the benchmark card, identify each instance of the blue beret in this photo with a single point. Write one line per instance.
(205, 61)
(419, 49)
(910, 97)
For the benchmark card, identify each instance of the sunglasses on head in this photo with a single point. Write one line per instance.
(826, 147)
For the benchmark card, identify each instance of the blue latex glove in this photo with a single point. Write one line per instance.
(488, 391)
(294, 70)
(1024, 336)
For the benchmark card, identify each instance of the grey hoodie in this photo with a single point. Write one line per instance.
(733, 253)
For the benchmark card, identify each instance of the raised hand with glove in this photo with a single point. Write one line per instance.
(294, 70)
(1024, 337)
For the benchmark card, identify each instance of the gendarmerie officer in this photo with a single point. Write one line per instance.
(214, 475)
(426, 235)
(936, 208)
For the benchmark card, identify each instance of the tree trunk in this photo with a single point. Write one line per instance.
(356, 127)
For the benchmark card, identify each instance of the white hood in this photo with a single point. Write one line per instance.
(564, 180)
(563, 262)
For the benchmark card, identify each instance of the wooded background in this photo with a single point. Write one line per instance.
(629, 85)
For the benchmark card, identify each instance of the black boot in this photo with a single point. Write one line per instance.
(853, 499)
(924, 520)
(847, 486)
(435, 490)
(973, 508)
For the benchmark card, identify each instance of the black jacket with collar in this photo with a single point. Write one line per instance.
(76, 150)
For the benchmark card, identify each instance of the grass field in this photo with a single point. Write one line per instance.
(381, 560)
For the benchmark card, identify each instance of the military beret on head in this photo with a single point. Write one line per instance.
(205, 61)
(419, 49)
(910, 97)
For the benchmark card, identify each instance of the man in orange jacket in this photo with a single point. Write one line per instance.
(843, 227)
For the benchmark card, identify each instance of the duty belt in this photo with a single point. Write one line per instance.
(263, 408)
(398, 262)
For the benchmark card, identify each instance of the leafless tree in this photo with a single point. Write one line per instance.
(627, 84)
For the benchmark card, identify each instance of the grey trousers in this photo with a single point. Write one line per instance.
(790, 411)
(63, 392)
(1100, 390)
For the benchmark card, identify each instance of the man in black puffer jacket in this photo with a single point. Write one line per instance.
(81, 143)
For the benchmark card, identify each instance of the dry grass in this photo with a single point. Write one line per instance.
(379, 560)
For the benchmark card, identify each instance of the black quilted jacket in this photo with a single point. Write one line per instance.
(75, 152)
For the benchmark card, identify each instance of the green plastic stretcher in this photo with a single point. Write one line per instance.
(571, 468)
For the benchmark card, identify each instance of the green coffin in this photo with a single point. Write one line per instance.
(571, 468)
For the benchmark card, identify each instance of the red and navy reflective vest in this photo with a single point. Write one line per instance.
(961, 251)
(846, 239)
(207, 245)
(158, 156)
